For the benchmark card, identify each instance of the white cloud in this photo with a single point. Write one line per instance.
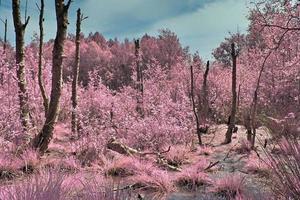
(206, 28)
(202, 29)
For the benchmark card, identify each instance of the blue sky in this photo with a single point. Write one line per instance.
(200, 24)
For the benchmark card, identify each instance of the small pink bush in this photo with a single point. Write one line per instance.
(285, 169)
(158, 183)
(63, 165)
(191, 179)
(244, 147)
(97, 188)
(205, 150)
(30, 160)
(257, 166)
(231, 186)
(9, 166)
(177, 155)
(128, 166)
(43, 186)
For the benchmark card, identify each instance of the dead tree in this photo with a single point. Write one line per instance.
(40, 63)
(5, 35)
(74, 122)
(198, 131)
(139, 79)
(238, 98)
(247, 124)
(22, 93)
(205, 102)
(42, 140)
(231, 125)
(255, 101)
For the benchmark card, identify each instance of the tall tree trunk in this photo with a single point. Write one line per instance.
(255, 101)
(139, 79)
(43, 139)
(205, 103)
(234, 97)
(198, 131)
(74, 122)
(23, 95)
(247, 124)
(4, 46)
(40, 74)
(5, 35)
(238, 98)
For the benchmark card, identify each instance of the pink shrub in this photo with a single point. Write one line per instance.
(128, 166)
(205, 150)
(43, 186)
(177, 155)
(97, 188)
(230, 186)
(194, 176)
(243, 147)
(285, 169)
(158, 183)
(63, 165)
(257, 166)
(191, 179)
(30, 160)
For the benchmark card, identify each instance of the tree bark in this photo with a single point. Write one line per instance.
(22, 93)
(139, 79)
(74, 122)
(198, 131)
(234, 97)
(255, 101)
(247, 124)
(5, 35)
(205, 93)
(40, 73)
(43, 139)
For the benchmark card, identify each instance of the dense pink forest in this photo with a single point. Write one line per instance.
(86, 117)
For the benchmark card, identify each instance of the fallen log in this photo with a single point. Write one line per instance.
(121, 148)
(116, 146)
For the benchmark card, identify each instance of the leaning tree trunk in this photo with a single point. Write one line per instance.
(139, 79)
(234, 97)
(23, 95)
(43, 139)
(255, 101)
(74, 122)
(198, 131)
(40, 74)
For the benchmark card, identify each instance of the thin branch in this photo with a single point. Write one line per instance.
(67, 6)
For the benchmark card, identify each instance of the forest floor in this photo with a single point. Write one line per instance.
(234, 160)
(223, 162)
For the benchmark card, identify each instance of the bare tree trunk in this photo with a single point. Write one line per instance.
(238, 98)
(4, 46)
(198, 131)
(40, 73)
(139, 79)
(43, 139)
(234, 97)
(5, 35)
(205, 93)
(23, 95)
(74, 122)
(255, 101)
(247, 124)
